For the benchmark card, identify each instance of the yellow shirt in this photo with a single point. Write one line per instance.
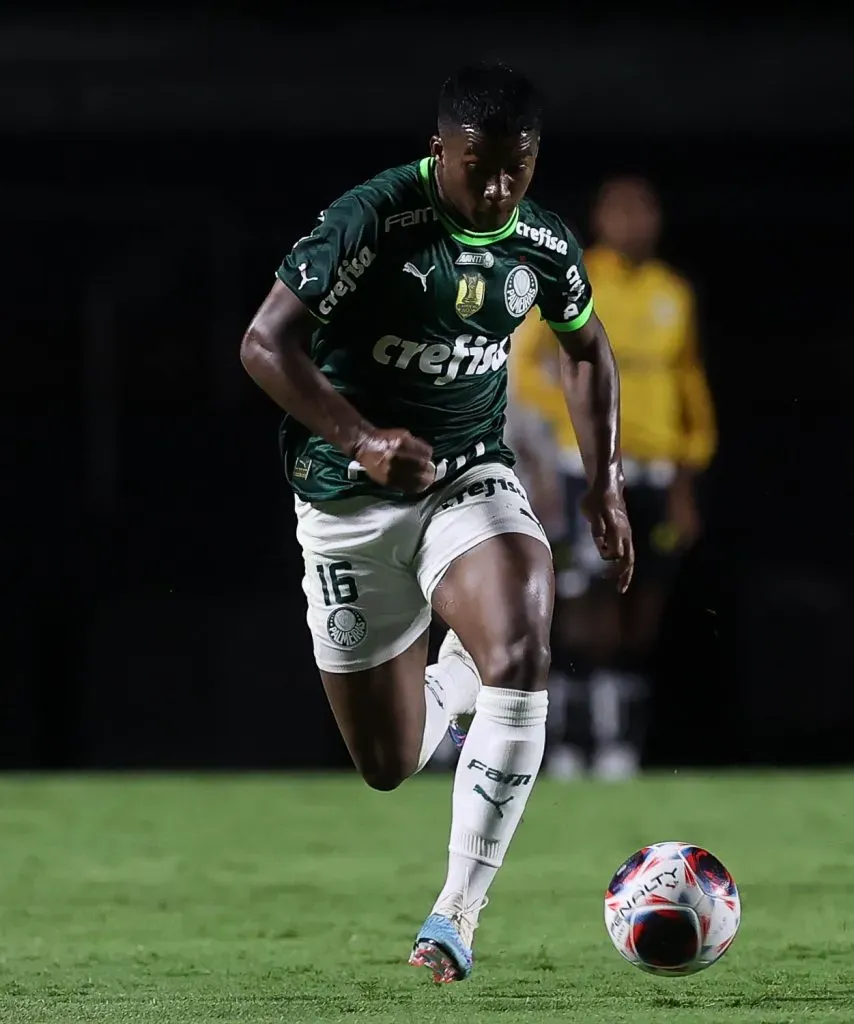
(649, 314)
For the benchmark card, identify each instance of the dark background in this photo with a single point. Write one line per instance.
(157, 167)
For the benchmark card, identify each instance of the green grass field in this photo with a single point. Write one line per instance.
(178, 900)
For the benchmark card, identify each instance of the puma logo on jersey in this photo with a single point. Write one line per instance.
(469, 356)
(543, 237)
(410, 268)
(304, 278)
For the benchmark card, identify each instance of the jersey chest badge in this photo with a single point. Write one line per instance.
(476, 259)
(471, 293)
(520, 290)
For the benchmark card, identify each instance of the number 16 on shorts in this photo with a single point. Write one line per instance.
(337, 587)
(346, 626)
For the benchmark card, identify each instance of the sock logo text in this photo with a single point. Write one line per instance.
(494, 775)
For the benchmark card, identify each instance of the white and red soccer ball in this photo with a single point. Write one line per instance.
(672, 909)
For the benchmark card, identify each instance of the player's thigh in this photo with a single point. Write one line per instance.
(368, 621)
(487, 567)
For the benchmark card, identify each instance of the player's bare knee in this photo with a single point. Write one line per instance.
(383, 780)
(521, 663)
(387, 774)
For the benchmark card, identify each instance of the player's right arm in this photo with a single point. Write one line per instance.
(274, 351)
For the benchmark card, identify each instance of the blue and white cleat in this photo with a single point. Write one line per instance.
(440, 947)
(460, 724)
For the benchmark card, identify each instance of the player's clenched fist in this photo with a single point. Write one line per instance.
(605, 508)
(395, 458)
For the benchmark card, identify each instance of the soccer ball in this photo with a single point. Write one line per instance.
(672, 909)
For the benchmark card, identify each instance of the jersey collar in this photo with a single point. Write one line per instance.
(458, 233)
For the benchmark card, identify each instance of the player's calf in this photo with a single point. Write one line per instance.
(494, 778)
(502, 593)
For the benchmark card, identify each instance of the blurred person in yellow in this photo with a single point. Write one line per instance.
(602, 641)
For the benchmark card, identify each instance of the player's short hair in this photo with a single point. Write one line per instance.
(491, 97)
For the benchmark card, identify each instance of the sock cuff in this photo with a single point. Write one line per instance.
(476, 847)
(513, 707)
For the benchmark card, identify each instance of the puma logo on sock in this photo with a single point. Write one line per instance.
(497, 804)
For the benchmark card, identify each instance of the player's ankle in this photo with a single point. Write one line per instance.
(459, 681)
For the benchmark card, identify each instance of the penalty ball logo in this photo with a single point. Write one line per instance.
(346, 627)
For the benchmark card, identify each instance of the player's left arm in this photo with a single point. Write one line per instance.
(591, 386)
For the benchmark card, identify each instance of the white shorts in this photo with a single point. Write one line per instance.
(371, 566)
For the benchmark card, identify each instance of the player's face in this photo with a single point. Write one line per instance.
(484, 178)
(627, 218)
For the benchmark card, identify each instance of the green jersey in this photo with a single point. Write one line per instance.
(414, 319)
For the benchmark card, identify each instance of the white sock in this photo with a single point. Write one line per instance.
(495, 775)
(450, 689)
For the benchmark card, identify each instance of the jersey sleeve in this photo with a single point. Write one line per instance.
(325, 267)
(567, 296)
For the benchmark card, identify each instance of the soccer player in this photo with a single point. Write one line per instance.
(384, 339)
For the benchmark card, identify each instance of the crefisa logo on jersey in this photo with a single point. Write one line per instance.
(469, 356)
(520, 290)
(543, 237)
(348, 273)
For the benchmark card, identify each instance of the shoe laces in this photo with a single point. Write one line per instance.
(463, 915)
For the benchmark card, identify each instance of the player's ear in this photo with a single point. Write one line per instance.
(436, 147)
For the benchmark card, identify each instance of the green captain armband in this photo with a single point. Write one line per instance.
(576, 322)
